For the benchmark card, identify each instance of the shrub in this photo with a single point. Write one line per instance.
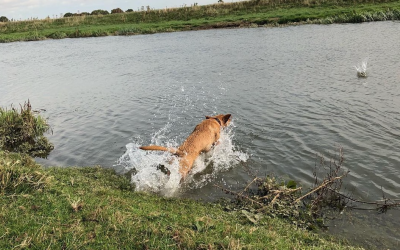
(34, 36)
(3, 19)
(117, 10)
(22, 132)
(99, 12)
(57, 35)
(69, 14)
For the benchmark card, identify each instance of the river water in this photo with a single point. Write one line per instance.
(293, 93)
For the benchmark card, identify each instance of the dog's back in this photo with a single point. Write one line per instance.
(203, 137)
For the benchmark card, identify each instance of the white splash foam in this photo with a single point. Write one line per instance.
(362, 69)
(222, 157)
(146, 176)
(144, 173)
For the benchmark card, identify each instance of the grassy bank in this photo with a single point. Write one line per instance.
(241, 14)
(93, 208)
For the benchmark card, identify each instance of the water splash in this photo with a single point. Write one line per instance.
(362, 69)
(146, 175)
(223, 157)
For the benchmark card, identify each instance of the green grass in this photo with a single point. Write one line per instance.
(240, 14)
(93, 208)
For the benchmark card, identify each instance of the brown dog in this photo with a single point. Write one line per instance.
(204, 136)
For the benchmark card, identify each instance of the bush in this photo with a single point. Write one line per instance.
(99, 12)
(69, 14)
(117, 10)
(57, 35)
(3, 19)
(22, 132)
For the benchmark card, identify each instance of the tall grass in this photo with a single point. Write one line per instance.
(361, 17)
(19, 174)
(22, 131)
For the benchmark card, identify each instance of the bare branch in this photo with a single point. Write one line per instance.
(324, 184)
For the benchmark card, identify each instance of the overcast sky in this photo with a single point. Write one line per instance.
(25, 9)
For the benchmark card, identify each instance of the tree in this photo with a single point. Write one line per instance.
(3, 19)
(117, 10)
(68, 14)
(100, 12)
(129, 10)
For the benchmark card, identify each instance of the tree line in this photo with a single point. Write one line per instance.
(98, 12)
(95, 12)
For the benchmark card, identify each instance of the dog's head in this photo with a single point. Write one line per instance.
(223, 120)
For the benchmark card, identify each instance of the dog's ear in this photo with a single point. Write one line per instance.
(208, 117)
(226, 117)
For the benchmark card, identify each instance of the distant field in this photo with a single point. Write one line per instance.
(240, 14)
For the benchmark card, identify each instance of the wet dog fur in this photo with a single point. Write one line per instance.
(204, 136)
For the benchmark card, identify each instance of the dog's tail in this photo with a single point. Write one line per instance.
(174, 151)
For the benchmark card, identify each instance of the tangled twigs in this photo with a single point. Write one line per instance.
(324, 193)
(276, 198)
(278, 194)
(248, 186)
(324, 184)
(281, 191)
(381, 206)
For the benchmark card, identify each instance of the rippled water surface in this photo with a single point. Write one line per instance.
(293, 92)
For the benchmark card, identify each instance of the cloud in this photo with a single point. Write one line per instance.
(23, 9)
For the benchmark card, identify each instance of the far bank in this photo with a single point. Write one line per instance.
(223, 15)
